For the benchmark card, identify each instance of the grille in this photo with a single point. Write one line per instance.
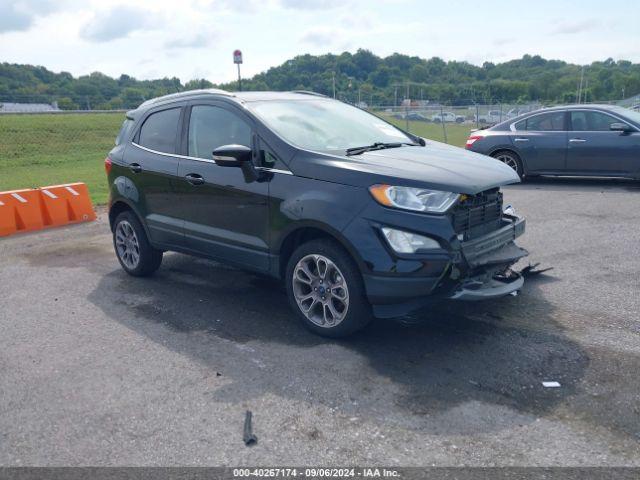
(478, 214)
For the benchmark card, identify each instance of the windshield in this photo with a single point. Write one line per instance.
(630, 114)
(323, 124)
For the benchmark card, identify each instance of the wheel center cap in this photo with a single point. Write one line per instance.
(322, 290)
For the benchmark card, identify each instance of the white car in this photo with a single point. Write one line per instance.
(447, 117)
(492, 116)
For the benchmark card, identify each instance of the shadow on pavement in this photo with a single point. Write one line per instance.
(455, 369)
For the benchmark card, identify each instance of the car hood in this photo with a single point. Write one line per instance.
(437, 166)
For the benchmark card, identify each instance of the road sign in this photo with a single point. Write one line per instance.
(237, 56)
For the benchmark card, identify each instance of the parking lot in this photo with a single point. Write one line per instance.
(98, 368)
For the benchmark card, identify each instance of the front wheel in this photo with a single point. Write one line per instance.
(325, 289)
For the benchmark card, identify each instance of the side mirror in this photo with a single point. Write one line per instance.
(232, 155)
(620, 127)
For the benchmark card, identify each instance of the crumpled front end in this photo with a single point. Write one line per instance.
(488, 260)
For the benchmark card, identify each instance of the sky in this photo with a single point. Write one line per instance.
(195, 38)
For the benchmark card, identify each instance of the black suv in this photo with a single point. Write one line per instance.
(355, 215)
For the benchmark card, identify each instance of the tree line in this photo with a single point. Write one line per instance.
(361, 76)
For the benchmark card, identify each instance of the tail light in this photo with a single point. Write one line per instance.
(473, 139)
(107, 165)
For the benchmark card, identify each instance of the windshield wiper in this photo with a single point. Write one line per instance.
(378, 146)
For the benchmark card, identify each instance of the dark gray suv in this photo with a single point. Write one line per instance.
(580, 140)
(356, 216)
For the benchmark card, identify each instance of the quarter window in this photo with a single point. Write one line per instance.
(545, 122)
(212, 127)
(124, 131)
(159, 131)
(584, 121)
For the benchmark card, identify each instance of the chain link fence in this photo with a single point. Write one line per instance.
(450, 123)
(42, 144)
(45, 148)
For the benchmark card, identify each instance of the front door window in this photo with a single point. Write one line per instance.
(212, 127)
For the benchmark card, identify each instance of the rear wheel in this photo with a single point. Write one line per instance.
(512, 160)
(135, 254)
(325, 289)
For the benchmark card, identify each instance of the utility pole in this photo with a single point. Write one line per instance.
(586, 90)
(580, 85)
(395, 101)
(333, 79)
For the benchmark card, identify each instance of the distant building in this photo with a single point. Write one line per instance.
(28, 107)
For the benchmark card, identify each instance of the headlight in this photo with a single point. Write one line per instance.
(417, 199)
(407, 242)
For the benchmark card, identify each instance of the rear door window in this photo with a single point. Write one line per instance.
(546, 122)
(160, 130)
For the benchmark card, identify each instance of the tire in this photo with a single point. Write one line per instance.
(130, 238)
(511, 159)
(339, 291)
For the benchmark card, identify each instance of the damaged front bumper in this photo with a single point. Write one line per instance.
(497, 246)
(489, 259)
(478, 269)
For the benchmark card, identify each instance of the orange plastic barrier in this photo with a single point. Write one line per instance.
(34, 209)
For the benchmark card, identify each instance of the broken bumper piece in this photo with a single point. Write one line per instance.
(473, 290)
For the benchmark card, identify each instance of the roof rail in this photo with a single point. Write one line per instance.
(308, 92)
(187, 93)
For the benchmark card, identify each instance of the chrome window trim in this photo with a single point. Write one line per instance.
(186, 157)
(173, 155)
(274, 170)
(512, 126)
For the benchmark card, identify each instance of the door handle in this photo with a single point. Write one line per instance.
(135, 168)
(521, 139)
(577, 140)
(194, 179)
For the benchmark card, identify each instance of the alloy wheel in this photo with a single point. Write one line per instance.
(509, 160)
(320, 290)
(127, 245)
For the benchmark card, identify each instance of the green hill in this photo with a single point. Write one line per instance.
(361, 75)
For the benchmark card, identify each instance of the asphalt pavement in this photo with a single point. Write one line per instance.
(99, 368)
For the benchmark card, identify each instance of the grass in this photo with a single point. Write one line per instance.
(456, 134)
(49, 149)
